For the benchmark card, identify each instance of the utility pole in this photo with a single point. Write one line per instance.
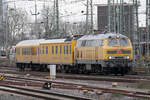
(121, 16)
(115, 16)
(136, 36)
(35, 20)
(147, 27)
(137, 27)
(89, 19)
(6, 30)
(5, 22)
(57, 18)
(109, 16)
(91, 30)
(1, 17)
(118, 15)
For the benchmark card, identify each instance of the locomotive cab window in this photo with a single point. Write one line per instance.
(112, 42)
(91, 43)
(124, 42)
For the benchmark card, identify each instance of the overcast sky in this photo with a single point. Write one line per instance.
(69, 10)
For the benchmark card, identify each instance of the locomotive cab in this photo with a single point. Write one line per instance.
(118, 54)
(104, 53)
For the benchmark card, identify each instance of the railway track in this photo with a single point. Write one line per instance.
(39, 93)
(127, 78)
(70, 85)
(73, 86)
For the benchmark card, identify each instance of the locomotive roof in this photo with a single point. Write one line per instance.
(101, 36)
(30, 42)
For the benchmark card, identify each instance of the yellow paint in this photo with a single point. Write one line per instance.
(58, 56)
(39, 55)
(100, 52)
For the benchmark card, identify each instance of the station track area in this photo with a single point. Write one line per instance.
(71, 82)
(126, 78)
(40, 93)
(74, 86)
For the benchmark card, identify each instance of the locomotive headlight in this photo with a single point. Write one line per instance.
(118, 36)
(128, 57)
(110, 57)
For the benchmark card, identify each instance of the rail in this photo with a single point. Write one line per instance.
(127, 92)
(39, 93)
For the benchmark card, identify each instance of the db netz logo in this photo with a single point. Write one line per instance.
(119, 52)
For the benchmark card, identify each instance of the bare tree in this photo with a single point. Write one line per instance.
(48, 20)
(72, 28)
(16, 23)
(65, 29)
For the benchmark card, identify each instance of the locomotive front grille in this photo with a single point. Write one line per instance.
(118, 57)
(119, 52)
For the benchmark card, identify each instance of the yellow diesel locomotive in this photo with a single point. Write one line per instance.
(97, 53)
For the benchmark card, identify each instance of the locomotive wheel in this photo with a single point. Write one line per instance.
(115, 71)
(122, 72)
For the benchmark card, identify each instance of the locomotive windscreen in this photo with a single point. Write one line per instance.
(118, 42)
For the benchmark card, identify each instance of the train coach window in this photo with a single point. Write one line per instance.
(18, 51)
(56, 49)
(27, 52)
(124, 42)
(78, 43)
(38, 51)
(70, 49)
(88, 43)
(43, 49)
(60, 49)
(52, 49)
(83, 43)
(102, 43)
(46, 49)
(66, 49)
(31, 52)
(24, 51)
(112, 42)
